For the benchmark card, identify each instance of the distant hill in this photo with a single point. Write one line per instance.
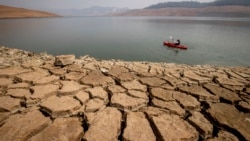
(218, 8)
(13, 12)
(183, 4)
(208, 11)
(91, 11)
(195, 4)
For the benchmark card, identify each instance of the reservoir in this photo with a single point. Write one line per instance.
(210, 40)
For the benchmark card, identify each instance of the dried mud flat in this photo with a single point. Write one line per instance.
(43, 97)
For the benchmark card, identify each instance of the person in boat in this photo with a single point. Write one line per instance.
(177, 42)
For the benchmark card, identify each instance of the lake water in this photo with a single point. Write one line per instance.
(214, 41)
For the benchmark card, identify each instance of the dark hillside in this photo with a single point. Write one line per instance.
(208, 11)
(194, 4)
(230, 2)
(184, 4)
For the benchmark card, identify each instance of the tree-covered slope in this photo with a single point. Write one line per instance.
(195, 4)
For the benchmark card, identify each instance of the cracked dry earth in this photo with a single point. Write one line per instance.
(67, 99)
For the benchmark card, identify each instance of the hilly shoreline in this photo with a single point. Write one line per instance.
(209, 11)
(7, 12)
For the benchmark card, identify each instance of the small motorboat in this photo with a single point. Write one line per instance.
(173, 45)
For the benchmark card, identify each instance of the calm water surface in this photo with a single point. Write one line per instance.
(214, 41)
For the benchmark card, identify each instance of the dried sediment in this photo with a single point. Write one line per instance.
(89, 99)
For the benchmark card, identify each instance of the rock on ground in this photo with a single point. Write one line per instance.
(9, 104)
(138, 128)
(62, 129)
(60, 106)
(63, 60)
(229, 117)
(105, 126)
(201, 124)
(21, 127)
(172, 127)
(127, 103)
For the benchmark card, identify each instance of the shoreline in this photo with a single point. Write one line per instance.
(75, 98)
(120, 60)
(79, 57)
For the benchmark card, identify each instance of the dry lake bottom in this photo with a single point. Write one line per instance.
(45, 97)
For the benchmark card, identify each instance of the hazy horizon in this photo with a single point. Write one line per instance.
(81, 4)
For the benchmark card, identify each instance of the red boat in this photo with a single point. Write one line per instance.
(173, 45)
